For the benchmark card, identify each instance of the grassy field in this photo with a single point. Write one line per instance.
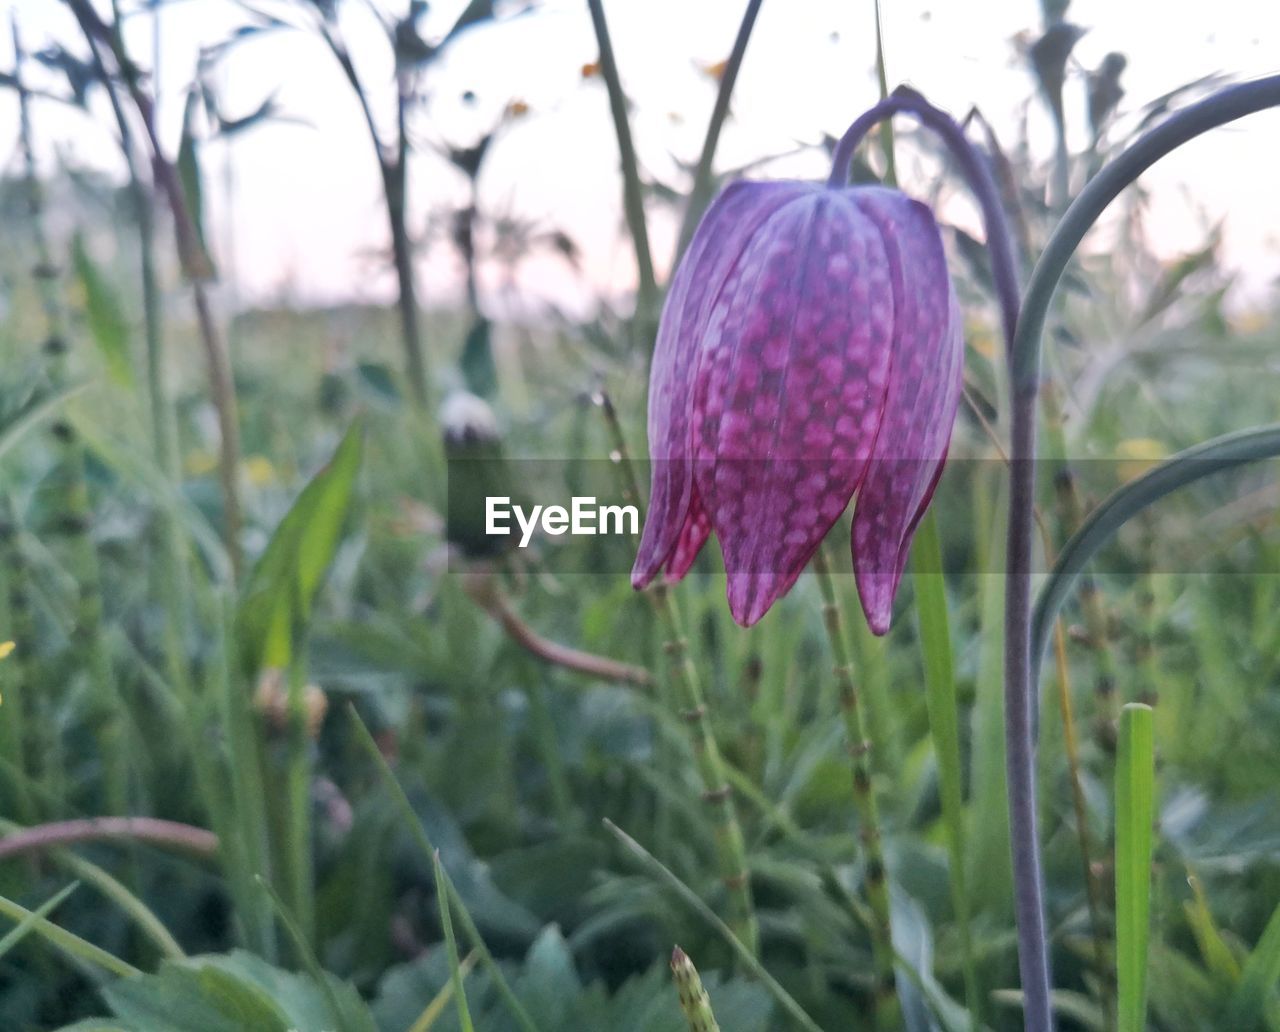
(337, 770)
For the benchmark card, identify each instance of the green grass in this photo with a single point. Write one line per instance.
(451, 856)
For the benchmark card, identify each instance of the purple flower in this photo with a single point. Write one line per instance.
(810, 347)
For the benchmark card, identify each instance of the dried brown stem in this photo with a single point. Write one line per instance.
(481, 587)
(150, 830)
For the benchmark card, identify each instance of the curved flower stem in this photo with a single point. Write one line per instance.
(888, 1014)
(731, 848)
(1224, 106)
(1033, 950)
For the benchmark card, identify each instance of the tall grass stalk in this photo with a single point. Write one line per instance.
(742, 951)
(75, 523)
(731, 850)
(393, 170)
(1135, 817)
(106, 39)
(632, 187)
(944, 727)
(888, 1011)
(703, 174)
(514, 1007)
(451, 947)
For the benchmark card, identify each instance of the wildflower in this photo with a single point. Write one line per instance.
(810, 347)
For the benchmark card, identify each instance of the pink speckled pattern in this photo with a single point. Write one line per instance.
(809, 346)
(712, 255)
(920, 408)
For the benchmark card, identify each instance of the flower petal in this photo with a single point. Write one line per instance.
(920, 408)
(713, 253)
(693, 535)
(789, 396)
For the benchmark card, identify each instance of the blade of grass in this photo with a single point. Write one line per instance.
(944, 726)
(700, 194)
(428, 850)
(113, 889)
(632, 187)
(28, 923)
(886, 127)
(306, 955)
(1135, 814)
(451, 946)
(436, 1007)
(745, 956)
(69, 943)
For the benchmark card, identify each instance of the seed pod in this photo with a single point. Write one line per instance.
(693, 998)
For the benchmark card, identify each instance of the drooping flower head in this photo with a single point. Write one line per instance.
(810, 348)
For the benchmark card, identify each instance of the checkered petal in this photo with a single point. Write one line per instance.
(920, 407)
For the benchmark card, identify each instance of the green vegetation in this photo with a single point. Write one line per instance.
(370, 779)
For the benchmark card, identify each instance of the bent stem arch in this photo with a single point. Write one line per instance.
(1222, 107)
(1177, 471)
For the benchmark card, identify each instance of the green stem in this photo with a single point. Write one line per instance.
(703, 181)
(888, 1011)
(76, 519)
(632, 188)
(731, 848)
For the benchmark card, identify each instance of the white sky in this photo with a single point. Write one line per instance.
(306, 215)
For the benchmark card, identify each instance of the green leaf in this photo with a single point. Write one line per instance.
(104, 314)
(276, 606)
(1135, 816)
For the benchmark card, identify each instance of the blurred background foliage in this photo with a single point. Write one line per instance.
(148, 681)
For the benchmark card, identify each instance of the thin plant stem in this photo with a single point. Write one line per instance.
(888, 1013)
(632, 188)
(76, 522)
(393, 169)
(173, 580)
(487, 593)
(1092, 889)
(717, 793)
(1222, 107)
(96, 829)
(1070, 515)
(101, 38)
(703, 179)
